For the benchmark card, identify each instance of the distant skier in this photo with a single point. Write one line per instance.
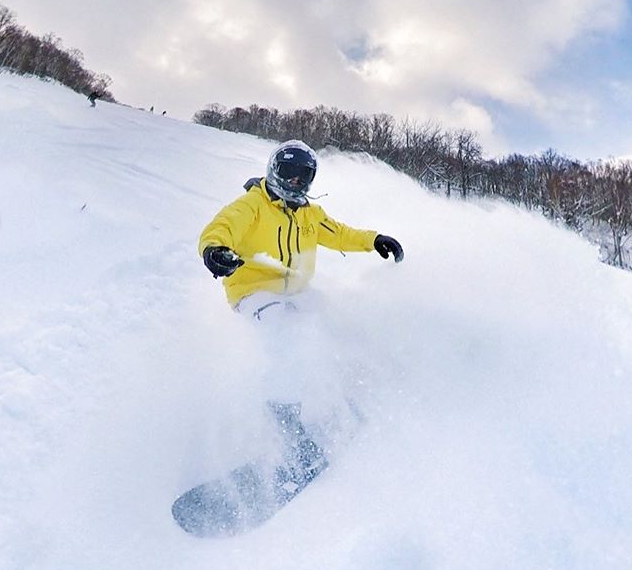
(93, 98)
(264, 243)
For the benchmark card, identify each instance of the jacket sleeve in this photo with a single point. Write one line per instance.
(229, 225)
(338, 236)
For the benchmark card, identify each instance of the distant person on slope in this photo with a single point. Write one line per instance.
(264, 243)
(93, 98)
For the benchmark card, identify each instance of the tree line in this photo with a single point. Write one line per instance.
(23, 53)
(592, 198)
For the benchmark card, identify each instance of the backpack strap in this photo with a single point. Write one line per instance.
(252, 182)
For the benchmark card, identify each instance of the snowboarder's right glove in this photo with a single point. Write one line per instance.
(221, 261)
(385, 245)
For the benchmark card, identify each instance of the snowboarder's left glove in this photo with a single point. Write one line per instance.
(221, 261)
(385, 245)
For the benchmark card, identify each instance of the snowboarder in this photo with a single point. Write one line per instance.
(264, 243)
(264, 246)
(93, 98)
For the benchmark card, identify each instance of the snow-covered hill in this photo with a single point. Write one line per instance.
(490, 373)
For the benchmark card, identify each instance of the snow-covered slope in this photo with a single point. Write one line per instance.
(490, 373)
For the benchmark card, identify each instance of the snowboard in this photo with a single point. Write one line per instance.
(254, 492)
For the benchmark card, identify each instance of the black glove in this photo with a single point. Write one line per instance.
(221, 261)
(385, 245)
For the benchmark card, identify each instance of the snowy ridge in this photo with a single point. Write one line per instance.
(490, 373)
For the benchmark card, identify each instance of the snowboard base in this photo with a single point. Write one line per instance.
(253, 493)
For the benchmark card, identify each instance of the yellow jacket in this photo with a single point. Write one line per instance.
(277, 244)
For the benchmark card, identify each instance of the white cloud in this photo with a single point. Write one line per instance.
(467, 115)
(622, 91)
(406, 57)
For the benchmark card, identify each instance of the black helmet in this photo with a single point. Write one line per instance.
(291, 170)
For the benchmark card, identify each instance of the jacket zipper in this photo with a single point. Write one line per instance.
(289, 243)
(279, 244)
(289, 251)
(298, 235)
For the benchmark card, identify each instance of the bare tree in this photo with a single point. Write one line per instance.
(24, 53)
(467, 154)
(614, 206)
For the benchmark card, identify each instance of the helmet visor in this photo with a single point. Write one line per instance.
(289, 170)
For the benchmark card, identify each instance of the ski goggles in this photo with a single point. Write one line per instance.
(288, 170)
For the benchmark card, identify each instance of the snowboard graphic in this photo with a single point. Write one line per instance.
(254, 492)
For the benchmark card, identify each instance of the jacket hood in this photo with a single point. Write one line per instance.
(260, 183)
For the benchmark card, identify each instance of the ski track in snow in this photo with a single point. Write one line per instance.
(475, 398)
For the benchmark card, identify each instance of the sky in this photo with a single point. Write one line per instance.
(525, 76)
